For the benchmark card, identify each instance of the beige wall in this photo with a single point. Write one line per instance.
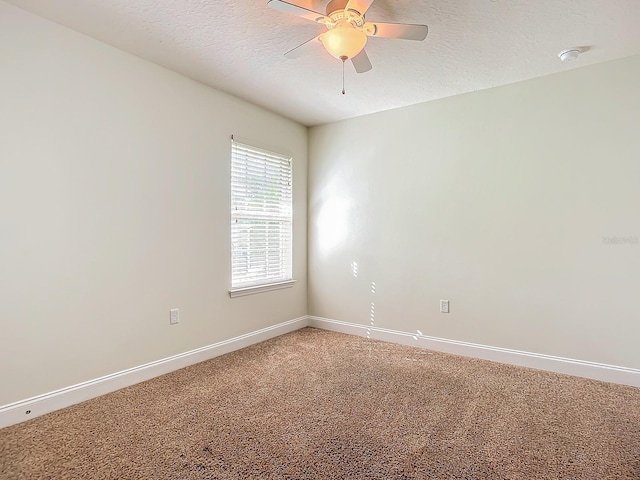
(496, 200)
(114, 208)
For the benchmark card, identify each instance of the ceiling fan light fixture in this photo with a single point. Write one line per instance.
(344, 42)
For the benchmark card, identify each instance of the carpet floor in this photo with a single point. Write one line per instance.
(314, 404)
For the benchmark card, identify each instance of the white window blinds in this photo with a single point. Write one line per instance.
(261, 217)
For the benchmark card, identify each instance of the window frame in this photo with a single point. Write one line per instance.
(271, 160)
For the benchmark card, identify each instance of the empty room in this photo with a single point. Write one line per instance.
(313, 239)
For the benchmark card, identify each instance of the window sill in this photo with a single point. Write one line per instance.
(241, 292)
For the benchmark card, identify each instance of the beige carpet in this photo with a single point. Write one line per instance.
(319, 405)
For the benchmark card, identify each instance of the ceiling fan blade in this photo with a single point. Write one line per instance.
(360, 6)
(306, 47)
(296, 10)
(396, 30)
(361, 62)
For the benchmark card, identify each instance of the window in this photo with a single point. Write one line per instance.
(261, 220)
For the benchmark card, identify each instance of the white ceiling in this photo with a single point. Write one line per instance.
(237, 46)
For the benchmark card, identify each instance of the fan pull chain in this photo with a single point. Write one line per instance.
(344, 59)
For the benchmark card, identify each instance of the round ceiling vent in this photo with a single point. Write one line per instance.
(569, 55)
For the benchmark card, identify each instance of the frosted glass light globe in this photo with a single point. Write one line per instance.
(344, 41)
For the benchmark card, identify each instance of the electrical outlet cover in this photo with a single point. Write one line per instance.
(444, 306)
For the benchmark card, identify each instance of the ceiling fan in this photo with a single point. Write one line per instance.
(347, 30)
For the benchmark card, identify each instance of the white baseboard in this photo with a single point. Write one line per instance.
(16, 412)
(568, 366)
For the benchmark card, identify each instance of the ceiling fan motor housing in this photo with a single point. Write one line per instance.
(334, 5)
(338, 16)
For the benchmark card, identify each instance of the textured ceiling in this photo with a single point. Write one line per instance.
(237, 46)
